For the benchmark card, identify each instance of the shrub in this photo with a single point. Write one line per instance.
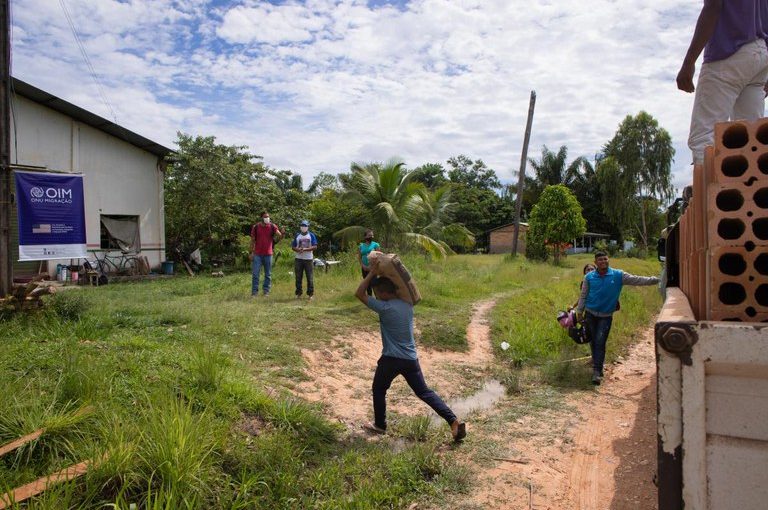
(535, 248)
(609, 248)
(70, 305)
(636, 252)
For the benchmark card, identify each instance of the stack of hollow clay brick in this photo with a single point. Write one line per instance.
(724, 230)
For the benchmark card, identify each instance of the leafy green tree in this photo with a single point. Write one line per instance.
(586, 186)
(531, 194)
(210, 190)
(432, 175)
(322, 182)
(329, 214)
(215, 192)
(637, 167)
(556, 218)
(474, 174)
(481, 209)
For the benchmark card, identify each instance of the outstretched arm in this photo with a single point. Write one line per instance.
(630, 279)
(360, 293)
(705, 27)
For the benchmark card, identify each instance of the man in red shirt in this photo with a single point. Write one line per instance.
(263, 235)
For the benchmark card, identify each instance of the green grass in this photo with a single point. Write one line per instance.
(179, 387)
(527, 322)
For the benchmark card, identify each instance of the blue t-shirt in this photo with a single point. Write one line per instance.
(366, 248)
(396, 322)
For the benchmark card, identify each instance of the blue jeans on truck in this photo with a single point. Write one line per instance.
(598, 329)
(390, 367)
(256, 263)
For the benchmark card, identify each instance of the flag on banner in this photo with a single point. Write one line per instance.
(51, 213)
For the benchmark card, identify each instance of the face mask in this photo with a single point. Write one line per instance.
(266, 221)
(304, 230)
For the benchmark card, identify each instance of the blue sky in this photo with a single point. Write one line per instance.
(312, 86)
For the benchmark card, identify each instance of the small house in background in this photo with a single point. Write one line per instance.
(586, 243)
(500, 238)
(123, 174)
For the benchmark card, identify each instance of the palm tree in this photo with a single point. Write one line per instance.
(395, 202)
(436, 221)
(551, 169)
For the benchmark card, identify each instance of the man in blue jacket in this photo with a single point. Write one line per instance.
(599, 295)
(304, 245)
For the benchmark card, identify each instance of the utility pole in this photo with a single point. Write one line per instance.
(6, 264)
(521, 176)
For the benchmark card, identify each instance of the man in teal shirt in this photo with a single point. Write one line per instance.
(365, 248)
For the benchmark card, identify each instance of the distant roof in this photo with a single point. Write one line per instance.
(44, 98)
(507, 225)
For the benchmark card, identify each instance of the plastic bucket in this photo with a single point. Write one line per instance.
(168, 267)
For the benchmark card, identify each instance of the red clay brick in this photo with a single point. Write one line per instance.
(737, 215)
(737, 316)
(731, 137)
(700, 207)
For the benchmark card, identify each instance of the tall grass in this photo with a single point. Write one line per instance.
(527, 322)
(154, 381)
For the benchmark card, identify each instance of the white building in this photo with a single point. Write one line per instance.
(122, 172)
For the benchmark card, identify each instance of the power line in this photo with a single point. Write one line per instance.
(87, 60)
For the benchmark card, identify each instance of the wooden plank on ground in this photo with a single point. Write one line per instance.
(9, 447)
(25, 492)
(189, 269)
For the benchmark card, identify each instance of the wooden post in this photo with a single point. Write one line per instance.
(521, 176)
(6, 264)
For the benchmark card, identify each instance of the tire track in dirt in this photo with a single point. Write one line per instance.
(340, 375)
(595, 453)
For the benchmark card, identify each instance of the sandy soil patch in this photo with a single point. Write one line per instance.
(340, 376)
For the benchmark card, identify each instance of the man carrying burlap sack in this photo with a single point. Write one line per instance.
(398, 354)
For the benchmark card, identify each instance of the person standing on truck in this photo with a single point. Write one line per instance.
(599, 294)
(398, 355)
(732, 79)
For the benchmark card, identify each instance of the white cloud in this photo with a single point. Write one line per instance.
(315, 85)
(267, 23)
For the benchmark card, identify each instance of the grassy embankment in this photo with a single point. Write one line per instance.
(179, 385)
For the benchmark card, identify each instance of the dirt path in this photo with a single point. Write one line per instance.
(341, 375)
(596, 452)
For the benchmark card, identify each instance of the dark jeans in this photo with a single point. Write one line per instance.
(301, 266)
(386, 370)
(369, 290)
(598, 329)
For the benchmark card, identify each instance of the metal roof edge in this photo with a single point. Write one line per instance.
(46, 99)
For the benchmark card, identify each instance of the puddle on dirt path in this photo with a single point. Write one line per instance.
(488, 395)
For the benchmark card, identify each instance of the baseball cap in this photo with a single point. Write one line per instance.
(304, 223)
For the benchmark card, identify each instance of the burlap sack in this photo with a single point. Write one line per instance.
(390, 266)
